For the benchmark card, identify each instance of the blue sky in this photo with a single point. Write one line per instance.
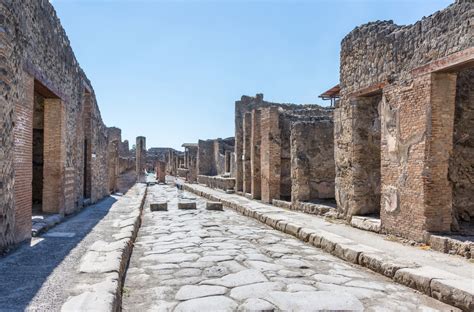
(172, 70)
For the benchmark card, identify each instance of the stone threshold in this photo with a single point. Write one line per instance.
(42, 223)
(102, 268)
(366, 223)
(431, 280)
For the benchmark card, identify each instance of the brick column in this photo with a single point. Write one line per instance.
(440, 146)
(255, 140)
(238, 147)
(54, 156)
(417, 140)
(270, 154)
(22, 162)
(247, 173)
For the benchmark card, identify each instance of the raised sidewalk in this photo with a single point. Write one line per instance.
(447, 278)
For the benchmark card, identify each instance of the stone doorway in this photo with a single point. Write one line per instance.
(38, 153)
(47, 151)
(461, 162)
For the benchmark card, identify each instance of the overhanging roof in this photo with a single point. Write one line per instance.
(331, 93)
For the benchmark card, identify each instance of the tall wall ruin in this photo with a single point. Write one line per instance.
(264, 145)
(140, 157)
(406, 87)
(54, 145)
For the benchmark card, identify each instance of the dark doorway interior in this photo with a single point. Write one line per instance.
(38, 153)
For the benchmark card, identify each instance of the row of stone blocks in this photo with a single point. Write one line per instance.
(186, 205)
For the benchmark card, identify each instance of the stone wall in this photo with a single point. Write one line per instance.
(409, 74)
(312, 160)
(38, 62)
(205, 158)
(211, 159)
(217, 182)
(263, 145)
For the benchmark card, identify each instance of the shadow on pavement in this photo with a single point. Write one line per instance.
(24, 271)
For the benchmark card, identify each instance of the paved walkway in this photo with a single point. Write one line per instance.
(199, 260)
(42, 275)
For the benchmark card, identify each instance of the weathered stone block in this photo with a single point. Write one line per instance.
(159, 206)
(214, 206)
(186, 205)
(459, 293)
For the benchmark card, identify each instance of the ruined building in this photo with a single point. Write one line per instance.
(283, 151)
(189, 167)
(404, 126)
(215, 163)
(54, 150)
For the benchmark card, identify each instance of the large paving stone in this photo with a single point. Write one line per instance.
(264, 266)
(258, 290)
(171, 258)
(213, 303)
(314, 301)
(192, 291)
(89, 301)
(101, 262)
(255, 304)
(244, 277)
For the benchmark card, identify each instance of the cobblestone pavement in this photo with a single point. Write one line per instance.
(199, 260)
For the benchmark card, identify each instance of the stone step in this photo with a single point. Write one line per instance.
(159, 206)
(212, 205)
(186, 205)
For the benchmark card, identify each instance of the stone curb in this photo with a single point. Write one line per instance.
(441, 285)
(105, 263)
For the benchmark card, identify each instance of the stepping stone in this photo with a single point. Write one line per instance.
(160, 206)
(214, 206)
(187, 205)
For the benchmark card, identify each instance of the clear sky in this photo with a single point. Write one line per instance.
(172, 70)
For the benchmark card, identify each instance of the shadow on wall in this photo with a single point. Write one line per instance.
(24, 271)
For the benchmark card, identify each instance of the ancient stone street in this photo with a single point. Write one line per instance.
(201, 260)
(343, 182)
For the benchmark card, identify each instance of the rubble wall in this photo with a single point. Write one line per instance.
(312, 160)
